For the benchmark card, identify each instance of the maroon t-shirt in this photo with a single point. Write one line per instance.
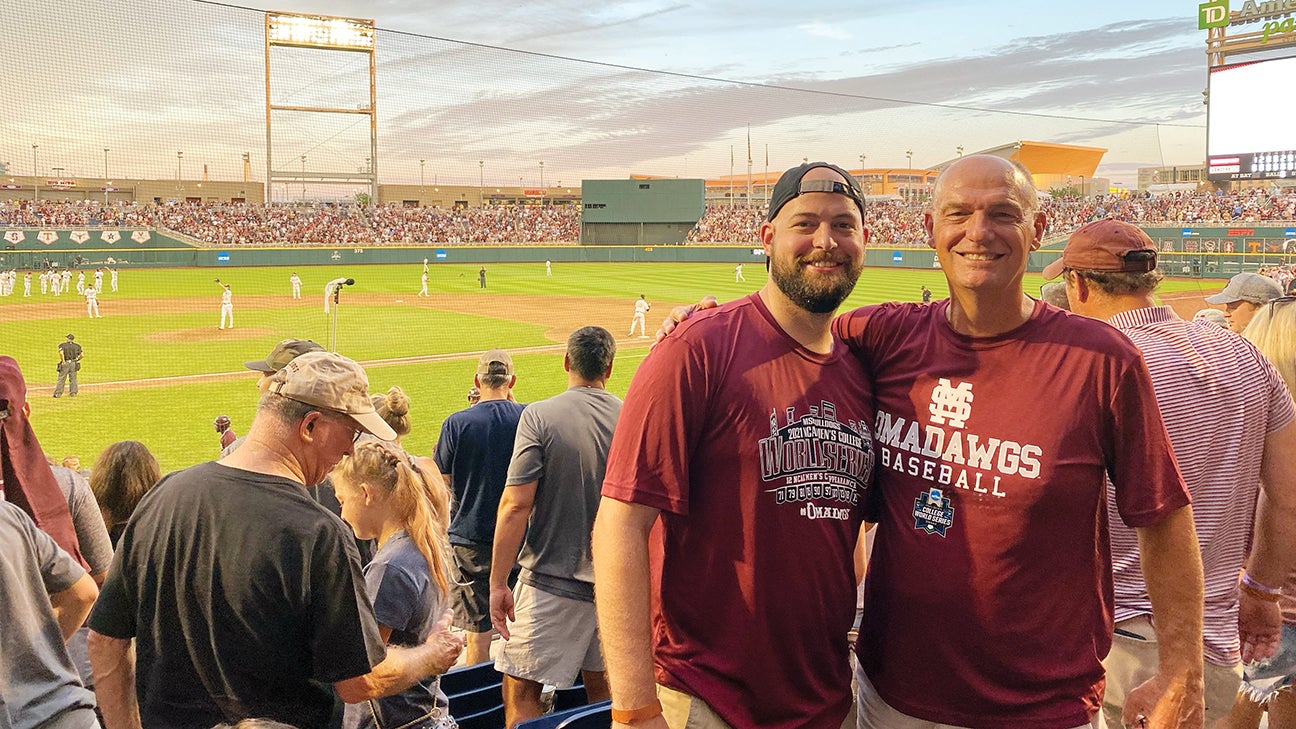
(989, 593)
(759, 455)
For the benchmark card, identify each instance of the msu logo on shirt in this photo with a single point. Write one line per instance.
(946, 453)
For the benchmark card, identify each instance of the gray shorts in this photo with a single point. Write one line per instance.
(553, 639)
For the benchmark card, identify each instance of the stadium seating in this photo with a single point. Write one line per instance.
(492, 718)
(598, 716)
(569, 698)
(465, 678)
(565, 718)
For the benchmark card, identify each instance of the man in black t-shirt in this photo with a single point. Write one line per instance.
(245, 597)
(68, 365)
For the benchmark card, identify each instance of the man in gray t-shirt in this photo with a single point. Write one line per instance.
(47, 595)
(550, 500)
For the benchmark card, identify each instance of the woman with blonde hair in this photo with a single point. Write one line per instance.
(1273, 331)
(386, 495)
(122, 474)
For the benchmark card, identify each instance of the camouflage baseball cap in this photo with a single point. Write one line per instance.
(283, 353)
(331, 382)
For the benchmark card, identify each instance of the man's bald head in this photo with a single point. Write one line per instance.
(983, 169)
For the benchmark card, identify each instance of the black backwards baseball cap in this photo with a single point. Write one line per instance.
(791, 185)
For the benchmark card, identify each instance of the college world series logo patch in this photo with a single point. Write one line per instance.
(933, 512)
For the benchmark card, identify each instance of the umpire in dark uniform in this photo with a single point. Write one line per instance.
(68, 366)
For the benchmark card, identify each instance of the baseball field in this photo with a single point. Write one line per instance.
(158, 370)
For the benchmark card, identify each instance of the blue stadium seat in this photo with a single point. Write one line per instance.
(492, 718)
(595, 716)
(476, 700)
(570, 698)
(560, 718)
(467, 678)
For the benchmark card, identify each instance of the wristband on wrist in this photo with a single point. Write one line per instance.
(630, 716)
(1260, 586)
(1257, 594)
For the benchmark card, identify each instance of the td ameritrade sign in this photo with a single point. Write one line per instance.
(1276, 16)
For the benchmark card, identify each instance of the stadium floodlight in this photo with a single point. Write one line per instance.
(320, 31)
(327, 33)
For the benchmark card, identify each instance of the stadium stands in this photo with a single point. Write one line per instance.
(891, 223)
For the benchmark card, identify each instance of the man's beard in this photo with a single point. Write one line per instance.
(820, 297)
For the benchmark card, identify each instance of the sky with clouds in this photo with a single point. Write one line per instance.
(601, 89)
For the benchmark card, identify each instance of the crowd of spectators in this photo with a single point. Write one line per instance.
(899, 223)
(890, 222)
(328, 225)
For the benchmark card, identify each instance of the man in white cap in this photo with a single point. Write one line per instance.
(245, 598)
(1244, 295)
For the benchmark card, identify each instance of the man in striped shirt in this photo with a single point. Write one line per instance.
(1229, 416)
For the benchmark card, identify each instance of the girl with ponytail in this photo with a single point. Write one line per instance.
(386, 495)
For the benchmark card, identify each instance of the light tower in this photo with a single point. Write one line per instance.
(323, 33)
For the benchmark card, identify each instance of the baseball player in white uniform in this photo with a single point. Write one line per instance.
(641, 307)
(27, 284)
(92, 302)
(738, 276)
(67, 281)
(45, 279)
(227, 305)
(295, 280)
(81, 282)
(423, 291)
(98, 279)
(112, 277)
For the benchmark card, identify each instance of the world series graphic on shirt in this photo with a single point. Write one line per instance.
(817, 459)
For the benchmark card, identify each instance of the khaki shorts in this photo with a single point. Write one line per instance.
(682, 711)
(874, 713)
(1133, 661)
(553, 639)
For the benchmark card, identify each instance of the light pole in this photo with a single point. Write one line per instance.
(421, 163)
(35, 180)
(542, 187)
(107, 184)
(909, 179)
(179, 156)
(481, 184)
(303, 161)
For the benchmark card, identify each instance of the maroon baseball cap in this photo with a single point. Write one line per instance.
(1106, 245)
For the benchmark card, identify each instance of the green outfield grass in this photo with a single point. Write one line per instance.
(162, 324)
